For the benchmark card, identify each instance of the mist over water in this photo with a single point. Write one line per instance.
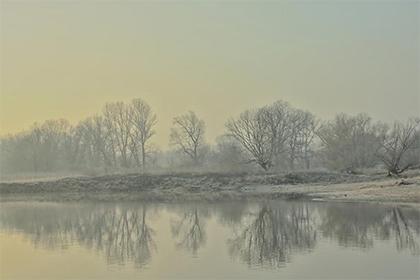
(219, 240)
(209, 139)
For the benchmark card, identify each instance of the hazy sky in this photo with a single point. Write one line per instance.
(66, 59)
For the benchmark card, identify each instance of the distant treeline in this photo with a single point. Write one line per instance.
(276, 137)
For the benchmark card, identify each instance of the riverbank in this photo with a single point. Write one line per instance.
(215, 186)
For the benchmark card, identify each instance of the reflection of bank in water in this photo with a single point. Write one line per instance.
(257, 234)
(122, 234)
(360, 225)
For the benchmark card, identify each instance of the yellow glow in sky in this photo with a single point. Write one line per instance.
(66, 59)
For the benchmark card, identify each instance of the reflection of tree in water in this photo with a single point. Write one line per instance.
(189, 230)
(44, 226)
(273, 234)
(265, 235)
(404, 225)
(358, 226)
(350, 225)
(122, 234)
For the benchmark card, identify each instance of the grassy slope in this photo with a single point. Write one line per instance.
(213, 186)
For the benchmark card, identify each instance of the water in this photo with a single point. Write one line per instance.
(208, 240)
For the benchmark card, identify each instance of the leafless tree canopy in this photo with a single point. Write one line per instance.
(351, 142)
(188, 135)
(252, 132)
(275, 137)
(275, 134)
(398, 150)
(143, 120)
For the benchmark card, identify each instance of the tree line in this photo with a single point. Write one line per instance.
(276, 137)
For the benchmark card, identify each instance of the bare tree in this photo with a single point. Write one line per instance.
(351, 142)
(18, 154)
(251, 130)
(274, 136)
(45, 147)
(397, 145)
(277, 117)
(263, 132)
(117, 117)
(227, 155)
(47, 140)
(36, 143)
(94, 142)
(143, 120)
(307, 135)
(188, 135)
(294, 143)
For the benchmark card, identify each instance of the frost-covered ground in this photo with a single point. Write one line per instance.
(384, 190)
(216, 186)
(34, 177)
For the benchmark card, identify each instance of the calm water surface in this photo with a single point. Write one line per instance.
(208, 240)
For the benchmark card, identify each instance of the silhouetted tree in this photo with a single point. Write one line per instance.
(400, 141)
(143, 120)
(188, 135)
(351, 142)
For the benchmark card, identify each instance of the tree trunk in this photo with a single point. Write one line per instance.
(143, 156)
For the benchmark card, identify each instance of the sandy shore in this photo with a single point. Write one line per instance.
(386, 190)
(174, 187)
